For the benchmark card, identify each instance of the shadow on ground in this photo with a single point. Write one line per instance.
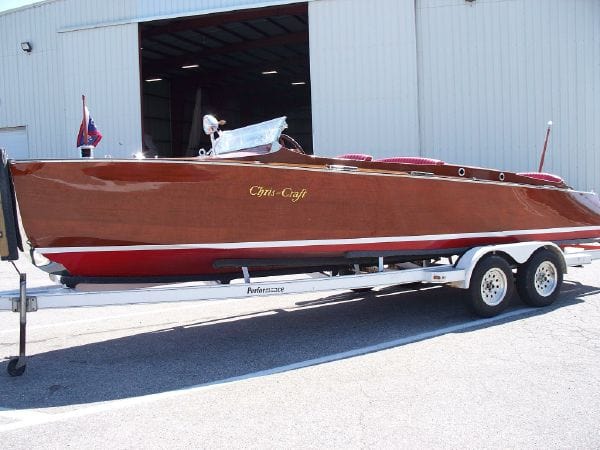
(209, 351)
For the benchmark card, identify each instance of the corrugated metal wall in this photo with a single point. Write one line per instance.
(363, 77)
(492, 73)
(149, 8)
(42, 90)
(487, 76)
(471, 82)
(110, 81)
(31, 89)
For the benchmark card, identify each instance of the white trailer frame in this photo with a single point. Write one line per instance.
(457, 275)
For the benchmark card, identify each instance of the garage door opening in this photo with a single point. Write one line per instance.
(244, 66)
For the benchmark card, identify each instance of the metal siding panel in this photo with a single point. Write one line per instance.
(30, 92)
(14, 141)
(42, 90)
(363, 77)
(492, 73)
(90, 12)
(166, 7)
(111, 86)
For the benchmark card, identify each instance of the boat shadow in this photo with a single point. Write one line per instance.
(211, 351)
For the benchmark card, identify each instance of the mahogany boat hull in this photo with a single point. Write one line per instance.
(200, 217)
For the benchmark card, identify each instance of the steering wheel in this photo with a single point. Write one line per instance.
(290, 143)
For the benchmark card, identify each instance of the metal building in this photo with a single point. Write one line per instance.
(466, 81)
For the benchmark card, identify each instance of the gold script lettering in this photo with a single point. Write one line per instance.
(293, 195)
(259, 191)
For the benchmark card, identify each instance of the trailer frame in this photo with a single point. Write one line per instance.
(488, 295)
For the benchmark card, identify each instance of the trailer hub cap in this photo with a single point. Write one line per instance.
(546, 279)
(494, 286)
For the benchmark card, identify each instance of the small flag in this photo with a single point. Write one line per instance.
(88, 133)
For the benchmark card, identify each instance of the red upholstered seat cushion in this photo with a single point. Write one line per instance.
(542, 176)
(412, 160)
(356, 157)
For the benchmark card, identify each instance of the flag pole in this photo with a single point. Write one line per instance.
(545, 146)
(85, 125)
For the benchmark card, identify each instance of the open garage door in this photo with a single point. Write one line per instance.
(244, 66)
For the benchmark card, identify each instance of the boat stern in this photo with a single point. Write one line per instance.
(10, 238)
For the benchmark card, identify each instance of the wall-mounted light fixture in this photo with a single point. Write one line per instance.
(26, 47)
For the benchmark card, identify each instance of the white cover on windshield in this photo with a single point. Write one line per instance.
(264, 133)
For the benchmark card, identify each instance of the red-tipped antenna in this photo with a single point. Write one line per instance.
(545, 146)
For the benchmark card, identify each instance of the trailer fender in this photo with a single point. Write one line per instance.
(518, 253)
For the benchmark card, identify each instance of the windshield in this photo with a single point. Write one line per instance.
(260, 134)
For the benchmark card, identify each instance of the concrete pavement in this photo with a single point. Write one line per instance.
(390, 368)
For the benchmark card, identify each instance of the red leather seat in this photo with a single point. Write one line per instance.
(542, 176)
(356, 157)
(412, 160)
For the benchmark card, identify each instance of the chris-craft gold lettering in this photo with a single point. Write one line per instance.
(289, 193)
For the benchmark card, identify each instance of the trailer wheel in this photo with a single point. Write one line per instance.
(492, 286)
(13, 370)
(539, 279)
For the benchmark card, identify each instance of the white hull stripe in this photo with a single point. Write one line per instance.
(317, 242)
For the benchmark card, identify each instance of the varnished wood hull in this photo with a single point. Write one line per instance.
(132, 218)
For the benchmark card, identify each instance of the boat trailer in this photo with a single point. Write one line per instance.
(486, 272)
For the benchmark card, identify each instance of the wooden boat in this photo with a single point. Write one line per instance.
(269, 209)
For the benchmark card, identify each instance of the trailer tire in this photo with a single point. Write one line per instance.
(539, 279)
(491, 286)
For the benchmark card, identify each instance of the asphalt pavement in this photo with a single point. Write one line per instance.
(391, 368)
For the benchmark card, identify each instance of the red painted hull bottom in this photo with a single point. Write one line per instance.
(190, 262)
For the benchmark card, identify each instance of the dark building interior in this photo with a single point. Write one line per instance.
(244, 66)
